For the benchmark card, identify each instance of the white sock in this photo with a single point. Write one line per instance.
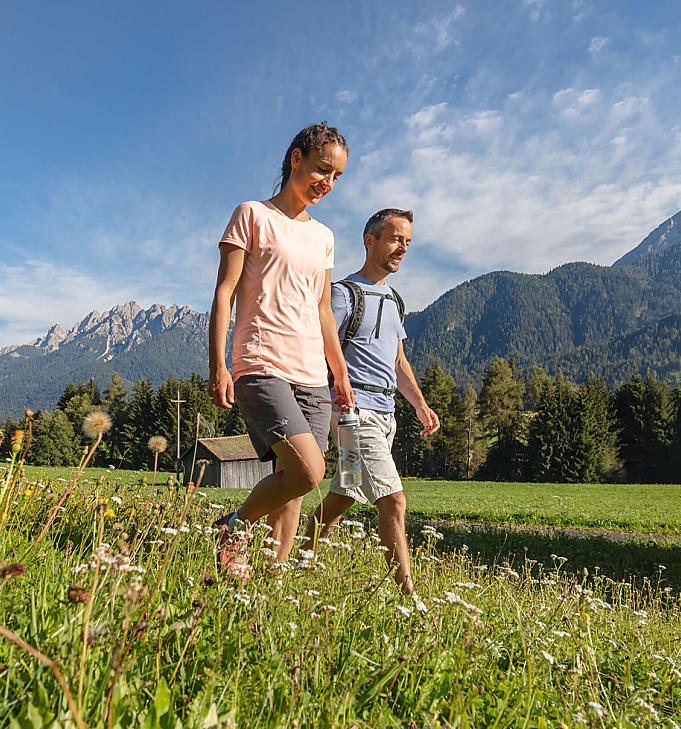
(232, 520)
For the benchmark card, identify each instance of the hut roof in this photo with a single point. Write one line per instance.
(230, 448)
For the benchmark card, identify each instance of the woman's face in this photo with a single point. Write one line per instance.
(314, 176)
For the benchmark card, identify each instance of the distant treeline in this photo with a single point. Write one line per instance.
(542, 429)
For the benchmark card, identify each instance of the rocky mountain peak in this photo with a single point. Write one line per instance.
(666, 235)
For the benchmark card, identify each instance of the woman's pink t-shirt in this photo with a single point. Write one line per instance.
(277, 330)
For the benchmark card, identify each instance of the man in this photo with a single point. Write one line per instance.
(377, 367)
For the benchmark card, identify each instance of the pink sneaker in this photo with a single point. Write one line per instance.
(233, 553)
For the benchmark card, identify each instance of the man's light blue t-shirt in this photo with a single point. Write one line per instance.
(370, 360)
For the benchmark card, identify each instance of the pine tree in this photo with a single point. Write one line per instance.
(598, 445)
(475, 443)
(166, 419)
(552, 448)
(76, 410)
(140, 425)
(53, 441)
(646, 415)
(409, 445)
(115, 403)
(501, 413)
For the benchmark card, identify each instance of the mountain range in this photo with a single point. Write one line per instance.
(579, 319)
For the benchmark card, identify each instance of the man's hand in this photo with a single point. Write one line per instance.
(221, 388)
(428, 418)
(345, 396)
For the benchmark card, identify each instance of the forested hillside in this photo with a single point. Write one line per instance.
(575, 318)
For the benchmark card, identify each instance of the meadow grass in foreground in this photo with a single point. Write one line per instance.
(118, 617)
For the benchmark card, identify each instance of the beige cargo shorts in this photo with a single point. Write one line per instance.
(379, 473)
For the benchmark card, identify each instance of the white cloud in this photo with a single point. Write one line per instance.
(35, 294)
(572, 103)
(345, 96)
(598, 43)
(506, 198)
(439, 31)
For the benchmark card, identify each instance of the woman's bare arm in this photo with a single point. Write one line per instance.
(220, 385)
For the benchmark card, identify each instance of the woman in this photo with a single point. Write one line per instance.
(276, 259)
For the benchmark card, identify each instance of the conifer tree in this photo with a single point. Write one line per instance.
(598, 445)
(445, 450)
(646, 414)
(553, 432)
(140, 425)
(501, 412)
(115, 402)
(409, 445)
(53, 441)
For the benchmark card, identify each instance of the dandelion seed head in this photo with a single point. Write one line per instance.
(96, 424)
(157, 444)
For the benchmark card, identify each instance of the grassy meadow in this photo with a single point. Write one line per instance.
(113, 612)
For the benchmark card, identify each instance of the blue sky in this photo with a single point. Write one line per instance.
(523, 133)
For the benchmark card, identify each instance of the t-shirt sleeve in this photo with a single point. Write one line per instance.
(329, 252)
(402, 333)
(239, 230)
(341, 306)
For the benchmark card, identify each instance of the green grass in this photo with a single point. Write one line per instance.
(638, 508)
(496, 638)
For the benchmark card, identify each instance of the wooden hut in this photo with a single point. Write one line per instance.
(233, 463)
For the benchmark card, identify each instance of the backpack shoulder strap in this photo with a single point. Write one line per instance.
(400, 304)
(358, 307)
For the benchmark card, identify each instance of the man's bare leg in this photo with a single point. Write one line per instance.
(392, 531)
(327, 514)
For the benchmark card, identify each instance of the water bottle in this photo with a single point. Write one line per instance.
(349, 460)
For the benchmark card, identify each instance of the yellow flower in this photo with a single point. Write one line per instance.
(28, 492)
(132, 512)
(110, 514)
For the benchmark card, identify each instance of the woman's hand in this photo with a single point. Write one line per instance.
(345, 396)
(221, 388)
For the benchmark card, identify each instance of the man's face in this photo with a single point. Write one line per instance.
(388, 250)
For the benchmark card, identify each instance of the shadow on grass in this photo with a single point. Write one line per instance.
(632, 560)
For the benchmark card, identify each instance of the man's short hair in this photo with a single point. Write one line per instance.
(377, 221)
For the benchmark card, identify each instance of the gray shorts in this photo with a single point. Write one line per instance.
(273, 408)
(379, 473)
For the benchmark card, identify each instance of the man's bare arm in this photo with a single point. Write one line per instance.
(407, 385)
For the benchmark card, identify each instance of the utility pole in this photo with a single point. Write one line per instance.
(177, 461)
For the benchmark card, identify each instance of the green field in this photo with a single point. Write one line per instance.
(116, 617)
(636, 508)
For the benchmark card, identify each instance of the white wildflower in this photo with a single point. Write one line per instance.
(599, 710)
(268, 552)
(647, 707)
(454, 599)
(548, 657)
(419, 604)
(403, 610)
